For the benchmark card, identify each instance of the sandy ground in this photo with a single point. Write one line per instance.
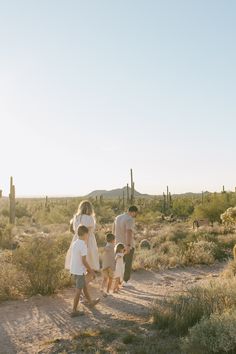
(27, 325)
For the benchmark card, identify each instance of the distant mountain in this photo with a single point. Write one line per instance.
(115, 193)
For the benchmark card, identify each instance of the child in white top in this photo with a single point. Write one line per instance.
(79, 266)
(120, 267)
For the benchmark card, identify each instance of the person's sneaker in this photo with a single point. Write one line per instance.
(94, 302)
(126, 284)
(77, 314)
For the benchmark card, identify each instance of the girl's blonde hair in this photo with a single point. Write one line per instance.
(85, 208)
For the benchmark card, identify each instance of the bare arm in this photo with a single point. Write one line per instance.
(85, 263)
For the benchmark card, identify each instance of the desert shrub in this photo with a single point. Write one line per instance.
(42, 259)
(169, 248)
(229, 216)
(149, 217)
(154, 259)
(216, 334)
(177, 234)
(230, 270)
(21, 210)
(181, 312)
(182, 207)
(173, 233)
(13, 282)
(5, 212)
(227, 241)
(6, 236)
(201, 252)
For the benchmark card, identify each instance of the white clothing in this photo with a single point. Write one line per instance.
(78, 250)
(90, 223)
(120, 266)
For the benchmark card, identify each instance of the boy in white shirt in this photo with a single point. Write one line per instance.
(78, 267)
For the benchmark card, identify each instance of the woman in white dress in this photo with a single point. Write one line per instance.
(85, 216)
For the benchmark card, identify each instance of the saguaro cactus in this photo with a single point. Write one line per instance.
(12, 199)
(0, 193)
(164, 203)
(132, 186)
(167, 197)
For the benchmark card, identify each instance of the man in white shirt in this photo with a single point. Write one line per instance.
(78, 267)
(124, 233)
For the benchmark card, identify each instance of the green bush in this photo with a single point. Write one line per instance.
(154, 259)
(42, 259)
(148, 217)
(216, 334)
(181, 312)
(13, 282)
(182, 207)
(6, 236)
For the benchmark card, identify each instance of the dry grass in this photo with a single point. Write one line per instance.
(216, 334)
(181, 312)
(13, 283)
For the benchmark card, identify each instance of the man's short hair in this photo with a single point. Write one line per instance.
(133, 209)
(82, 230)
(110, 237)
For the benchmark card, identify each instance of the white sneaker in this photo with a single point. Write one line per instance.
(127, 285)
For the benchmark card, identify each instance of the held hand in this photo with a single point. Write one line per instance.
(92, 273)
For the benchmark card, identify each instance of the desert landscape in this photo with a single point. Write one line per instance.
(182, 283)
(117, 177)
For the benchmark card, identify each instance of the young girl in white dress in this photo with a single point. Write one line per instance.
(85, 216)
(120, 266)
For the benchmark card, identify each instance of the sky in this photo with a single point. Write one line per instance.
(89, 89)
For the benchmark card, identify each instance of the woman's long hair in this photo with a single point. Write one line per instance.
(85, 208)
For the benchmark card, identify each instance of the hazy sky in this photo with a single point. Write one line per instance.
(91, 88)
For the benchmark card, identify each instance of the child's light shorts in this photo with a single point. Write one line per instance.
(108, 273)
(80, 281)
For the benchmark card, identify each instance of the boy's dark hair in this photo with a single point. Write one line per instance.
(110, 237)
(82, 230)
(119, 247)
(133, 209)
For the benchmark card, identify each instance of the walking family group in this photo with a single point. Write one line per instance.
(83, 258)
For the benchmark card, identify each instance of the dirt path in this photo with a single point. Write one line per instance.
(26, 325)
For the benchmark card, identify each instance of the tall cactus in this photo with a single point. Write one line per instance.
(12, 199)
(132, 186)
(0, 193)
(164, 203)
